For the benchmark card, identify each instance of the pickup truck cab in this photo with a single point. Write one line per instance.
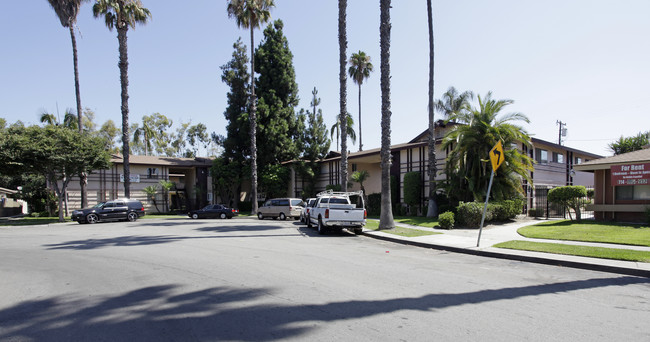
(335, 211)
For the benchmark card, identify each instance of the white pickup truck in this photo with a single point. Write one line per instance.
(334, 210)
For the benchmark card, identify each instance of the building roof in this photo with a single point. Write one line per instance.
(548, 143)
(8, 191)
(375, 151)
(163, 161)
(640, 156)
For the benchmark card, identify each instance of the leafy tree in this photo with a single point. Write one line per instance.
(343, 90)
(66, 11)
(179, 141)
(142, 136)
(316, 143)
(277, 122)
(251, 14)
(468, 168)
(349, 127)
(166, 186)
(197, 135)
(153, 133)
(54, 152)
(274, 180)
(235, 74)
(386, 217)
(123, 14)
(569, 197)
(412, 188)
(432, 209)
(226, 178)
(360, 69)
(629, 144)
(3, 123)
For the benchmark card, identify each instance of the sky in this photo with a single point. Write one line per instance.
(582, 62)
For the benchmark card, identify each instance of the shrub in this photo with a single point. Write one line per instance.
(412, 188)
(446, 220)
(469, 214)
(374, 204)
(506, 210)
(591, 193)
(568, 196)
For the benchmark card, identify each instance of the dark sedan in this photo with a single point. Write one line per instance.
(213, 211)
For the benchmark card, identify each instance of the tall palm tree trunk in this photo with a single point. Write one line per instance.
(124, 83)
(433, 206)
(343, 92)
(386, 216)
(83, 177)
(253, 123)
(360, 141)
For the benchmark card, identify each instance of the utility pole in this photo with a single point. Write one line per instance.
(562, 131)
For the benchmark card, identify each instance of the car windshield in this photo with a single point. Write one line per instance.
(207, 207)
(98, 205)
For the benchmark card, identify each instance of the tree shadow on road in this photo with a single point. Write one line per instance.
(167, 313)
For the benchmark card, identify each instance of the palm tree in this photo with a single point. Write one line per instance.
(432, 210)
(360, 177)
(343, 91)
(123, 14)
(49, 119)
(147, 135)
(452, 102)
(67, 11)
(251, 14)
(467, 168)
(360, 68)
(69, 120)
(349, 127)
(386, 217)
(151, 192)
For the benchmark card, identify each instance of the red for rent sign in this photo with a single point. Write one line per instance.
(632, 174)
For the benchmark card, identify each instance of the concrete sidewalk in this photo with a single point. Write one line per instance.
(465, 241)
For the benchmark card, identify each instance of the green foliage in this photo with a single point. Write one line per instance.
(468, 168)
(507, 210)
(568, 196)
(333, 187)
(274, 180)
(446, 220)
(374, 204)
(629, 144)
(412, 188)
(591, 193)
(349, 128)
(226, 179)
(235, 74)
(586, 251)
(469, 214)
(276, 120)
(394, 190)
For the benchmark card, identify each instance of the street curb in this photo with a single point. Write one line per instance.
(524, 258)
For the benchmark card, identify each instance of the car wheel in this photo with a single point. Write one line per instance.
(321, 227)
(92, 218)
(308, 222)
(223, 216)
(260, 216)
(282, 217)
(132, 216)
(358, 231)
(195, 216)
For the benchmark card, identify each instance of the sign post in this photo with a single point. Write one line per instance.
(496, 159)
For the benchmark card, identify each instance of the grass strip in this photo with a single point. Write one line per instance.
(589, 231)
(401, 231)
(586, 251)
(31, 221)
(415, 221)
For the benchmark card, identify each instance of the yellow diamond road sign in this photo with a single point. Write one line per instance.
(497, 156)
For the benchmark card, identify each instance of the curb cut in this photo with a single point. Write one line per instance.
(524, 258)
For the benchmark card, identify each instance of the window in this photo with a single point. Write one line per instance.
(152, 172)
(541, 155)
(354, 167)
(633, 192)
(558, 158)
(283, 202)
(578, 160)
(296, 202)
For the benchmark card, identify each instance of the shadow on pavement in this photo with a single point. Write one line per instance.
(166, 313)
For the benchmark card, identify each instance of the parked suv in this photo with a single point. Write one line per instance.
(115, 210)
(281, 207)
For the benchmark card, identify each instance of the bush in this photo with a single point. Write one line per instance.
(374, 204)
(506, 210)
(469, 214)
(568, 196)
(446, 220)
(412, 188)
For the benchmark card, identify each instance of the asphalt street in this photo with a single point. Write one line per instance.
(250, 280)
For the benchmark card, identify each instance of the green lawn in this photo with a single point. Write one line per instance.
(586, 251)
(589, 231)
(415, 221)
(406, 232)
